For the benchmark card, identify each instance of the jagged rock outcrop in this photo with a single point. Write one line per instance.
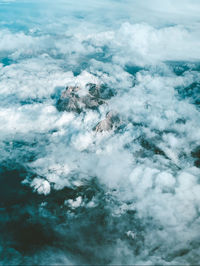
(72, 100)
(111, 121)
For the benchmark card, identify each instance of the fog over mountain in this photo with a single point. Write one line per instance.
(100, 132)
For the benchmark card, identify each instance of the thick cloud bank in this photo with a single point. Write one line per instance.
(69, 194)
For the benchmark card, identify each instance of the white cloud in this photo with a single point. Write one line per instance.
(41, 186)
(146, 167)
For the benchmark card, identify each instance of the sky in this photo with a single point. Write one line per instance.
(70, 195)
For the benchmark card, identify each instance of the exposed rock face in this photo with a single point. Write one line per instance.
(111, 121)
(72, 100)
(101, 91)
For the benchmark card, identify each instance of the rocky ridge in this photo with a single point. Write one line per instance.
(75, 99)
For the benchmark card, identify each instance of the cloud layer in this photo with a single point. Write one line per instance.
(70, 195)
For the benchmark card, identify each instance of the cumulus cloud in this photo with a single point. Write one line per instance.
(132, 192)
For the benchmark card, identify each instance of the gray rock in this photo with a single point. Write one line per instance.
(102, 91)
(111, 122)
(71, 100)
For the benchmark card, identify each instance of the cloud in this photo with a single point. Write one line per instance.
(125, 196)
